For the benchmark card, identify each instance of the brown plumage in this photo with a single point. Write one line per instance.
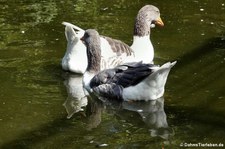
(118, 46)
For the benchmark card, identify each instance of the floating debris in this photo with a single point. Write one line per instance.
(22, 32)
(202, 9)
(127, 131)
(91, 141)
(106, 8)
(140, 110)
(102, 145)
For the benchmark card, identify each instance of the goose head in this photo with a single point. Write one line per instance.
(147, 17)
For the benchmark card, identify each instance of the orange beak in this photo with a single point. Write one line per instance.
(159, 22)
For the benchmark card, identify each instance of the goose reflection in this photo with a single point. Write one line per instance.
(151, 113)
(93, 112)
(76, 99)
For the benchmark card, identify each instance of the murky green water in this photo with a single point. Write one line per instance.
(33, 88)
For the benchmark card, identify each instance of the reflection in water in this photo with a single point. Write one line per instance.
(94, 112)
(153, 115)
(76, 98)
(76, 101)
(151, 112)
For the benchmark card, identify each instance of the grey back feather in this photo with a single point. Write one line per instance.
(118, 46)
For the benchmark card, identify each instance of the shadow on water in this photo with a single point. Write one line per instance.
(202, 67)
(31, 138)
(200, 86)
(210, 46)
(201, 115)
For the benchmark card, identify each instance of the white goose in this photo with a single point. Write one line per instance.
(75, 58)
(131, 81)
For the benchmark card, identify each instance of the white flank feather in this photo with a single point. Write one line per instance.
(152, 87)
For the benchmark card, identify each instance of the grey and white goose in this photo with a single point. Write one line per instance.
(75, 58)
(131, 81)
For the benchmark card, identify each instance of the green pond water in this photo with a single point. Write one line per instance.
(38, 103)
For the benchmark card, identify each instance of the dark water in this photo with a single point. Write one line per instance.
(33, 88)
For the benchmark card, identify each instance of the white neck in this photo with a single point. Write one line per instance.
(143, 49)
(86, 80)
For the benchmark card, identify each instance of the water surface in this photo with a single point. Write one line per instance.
(37, 97)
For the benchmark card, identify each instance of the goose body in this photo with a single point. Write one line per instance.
(75, 58)
(130, 81)
(143, 49)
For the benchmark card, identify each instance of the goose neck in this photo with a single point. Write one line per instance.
(94, 58)
(141, 27)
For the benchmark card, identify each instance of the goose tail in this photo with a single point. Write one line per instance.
(160, 74)
(157, 80)
(72, 31)
(168, 65)
(73, 26)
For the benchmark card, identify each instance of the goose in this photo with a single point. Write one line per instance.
(75, 58)
(129, 81)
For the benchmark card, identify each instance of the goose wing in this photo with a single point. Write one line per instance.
(118, 46)
(125, 75)
(110, 83)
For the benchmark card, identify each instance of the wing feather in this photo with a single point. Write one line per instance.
(111, 82)
(124, 75)
(109, 90)
(118, 46)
